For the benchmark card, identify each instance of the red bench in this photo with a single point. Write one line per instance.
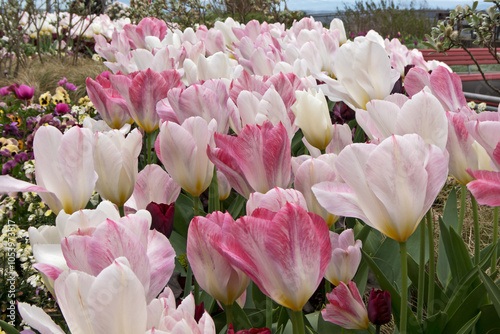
(461, 57)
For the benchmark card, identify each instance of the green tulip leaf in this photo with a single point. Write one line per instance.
(467, 328)
(385, 284)
(450, 218)
(436, 323)
(8, 329)
(457, 254)
(493, 291)
(468, 309)
(237, 207)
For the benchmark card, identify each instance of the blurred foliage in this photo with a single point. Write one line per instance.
(387, 18)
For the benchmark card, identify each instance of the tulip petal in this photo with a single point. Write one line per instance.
(486, 187)
(36, 318)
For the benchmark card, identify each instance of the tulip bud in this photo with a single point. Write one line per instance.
(346, 256)
(346, 308)
(313, 117)
(162, 217)
(379, 307)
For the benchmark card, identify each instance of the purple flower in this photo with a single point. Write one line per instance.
(11, 130)
(8, 166)
(24, 92)
(70, 86)
(61, 109)
(62, 81)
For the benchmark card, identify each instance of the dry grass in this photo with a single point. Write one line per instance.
(44, 77)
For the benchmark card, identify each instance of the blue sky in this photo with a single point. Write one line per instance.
(332, 5)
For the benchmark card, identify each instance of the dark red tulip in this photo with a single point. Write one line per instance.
(163, 217)
(379, 307)
(263, 330)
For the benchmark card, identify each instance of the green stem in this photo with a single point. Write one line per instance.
(196, 291)
(328, 286)
(477, 239)
(196, 205)
(495, 240)
(377, 330)
(323, 151)
(121, 209)
(432, 267)
(421, 274)
(463, 193)
(269, 312)
(189, 281)
(404, 288)
(148, 148)
(298, 322)
(229, 314)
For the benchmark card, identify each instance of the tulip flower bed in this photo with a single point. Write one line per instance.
(251, 179)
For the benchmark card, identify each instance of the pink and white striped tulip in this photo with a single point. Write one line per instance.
(364, 59)
(153, 185)
(390, 186)
(208, 100)
(65, 173)
(149, 26)
(213, 272)
(485, 129)
(422, 114)
(285, 253)
(149, 253)
(80, 297)
(341, 137)
(346, 308)
(310, 171)
(164, 316)
(465, 152)
(142, 90)
(183, 151)
(108, 102)
(275, 199)
(346, 256)
(444, 85)
(116, 160)
(258, 159)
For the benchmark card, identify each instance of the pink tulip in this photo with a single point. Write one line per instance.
(445, 85)
(465, 152)
(486, 186)
(116, 159)
(213, 272)
(486, 131)
(422, 114)
(346, 256)
(149, 26)
(274, 200)
(390, 186)
(153, 185)
(24, 92)
(208, 100)
(346, 308)
(142, 90)
(65, 173)
(284, 253)
(258, 159)
(165, 316)
(80, 297)
(108, 102)
(183, 151)
(149, 253)
(310, 171)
